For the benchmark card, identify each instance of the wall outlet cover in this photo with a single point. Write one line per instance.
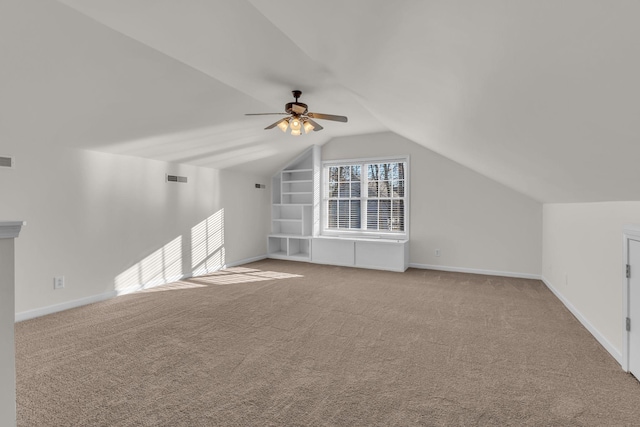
(58, 282)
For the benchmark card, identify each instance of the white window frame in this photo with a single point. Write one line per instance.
(378, 234)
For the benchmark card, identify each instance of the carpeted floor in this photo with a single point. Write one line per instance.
(295, 344)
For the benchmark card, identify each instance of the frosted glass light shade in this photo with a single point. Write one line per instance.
(283, 125)
(308, 127)
(295, 124)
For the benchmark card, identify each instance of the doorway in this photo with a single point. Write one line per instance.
(631, 353)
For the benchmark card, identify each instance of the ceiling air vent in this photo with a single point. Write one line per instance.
(6, 162)
(176, 178)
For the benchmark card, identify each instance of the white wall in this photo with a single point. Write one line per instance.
(477, 223)
(105, 222)
(582, 260)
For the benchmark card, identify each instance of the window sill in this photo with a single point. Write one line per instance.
(393, 238)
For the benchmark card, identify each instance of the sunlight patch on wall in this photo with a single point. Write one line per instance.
(207, 245)
(162, 266)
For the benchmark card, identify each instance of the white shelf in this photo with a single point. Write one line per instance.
(291, 257)
(299, 257)
(292, 213)
(279, 254)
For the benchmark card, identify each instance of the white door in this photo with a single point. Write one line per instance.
(634, 307)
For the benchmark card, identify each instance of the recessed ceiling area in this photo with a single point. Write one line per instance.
(539, 96)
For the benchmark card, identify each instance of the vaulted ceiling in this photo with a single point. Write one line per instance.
(541, 96)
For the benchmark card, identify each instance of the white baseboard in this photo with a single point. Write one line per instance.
(246, 261)
(476, 271)
(596, 334)
(50, 309)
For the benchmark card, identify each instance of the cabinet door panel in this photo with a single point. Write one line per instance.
(380, 255)
(333, 251)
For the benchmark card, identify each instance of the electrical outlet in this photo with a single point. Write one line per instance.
(437, 252)
(58, 282)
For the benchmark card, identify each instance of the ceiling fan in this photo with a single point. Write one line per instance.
(299, 117)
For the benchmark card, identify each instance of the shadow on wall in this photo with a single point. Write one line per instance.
(165, 265)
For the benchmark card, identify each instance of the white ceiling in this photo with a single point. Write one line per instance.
(541, 96)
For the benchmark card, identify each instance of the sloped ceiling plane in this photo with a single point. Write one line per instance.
(540, 96)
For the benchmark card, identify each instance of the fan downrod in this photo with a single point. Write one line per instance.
(296, 94)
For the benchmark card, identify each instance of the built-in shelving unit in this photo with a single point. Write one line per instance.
(295, 224)
(292, 210)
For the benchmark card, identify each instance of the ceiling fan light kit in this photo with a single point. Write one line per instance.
(308, 127)
(300, 117)
(283, 125)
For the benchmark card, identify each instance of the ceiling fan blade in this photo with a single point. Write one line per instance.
(316, 126)
(265, 114)
(273, 125)
(342, 119)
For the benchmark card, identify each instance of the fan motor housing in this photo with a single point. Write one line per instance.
(301, 108)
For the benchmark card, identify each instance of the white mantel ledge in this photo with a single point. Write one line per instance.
(10, 229)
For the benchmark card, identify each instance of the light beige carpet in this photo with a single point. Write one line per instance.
(296, 344)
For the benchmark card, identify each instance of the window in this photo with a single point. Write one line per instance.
(366, 196)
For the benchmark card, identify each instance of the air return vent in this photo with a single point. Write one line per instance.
(6, 162)
(176, 178)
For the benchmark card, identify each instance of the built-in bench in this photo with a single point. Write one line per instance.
(363, 252)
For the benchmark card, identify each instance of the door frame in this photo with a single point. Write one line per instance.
(629, 232)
